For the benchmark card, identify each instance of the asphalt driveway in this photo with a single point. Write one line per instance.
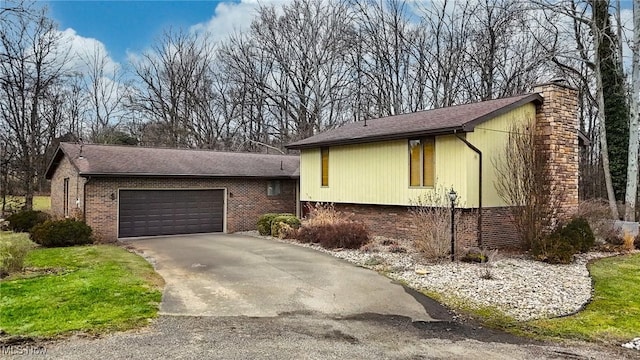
(240, 297)
(237, 275)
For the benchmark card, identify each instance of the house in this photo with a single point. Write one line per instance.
(124, 191)
(378, 168)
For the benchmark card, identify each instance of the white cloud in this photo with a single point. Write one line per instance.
(230, 18)
(82, 50)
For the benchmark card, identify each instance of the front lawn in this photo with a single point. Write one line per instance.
(614, 313)
(92, 289)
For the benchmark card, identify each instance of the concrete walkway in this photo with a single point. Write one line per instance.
(236, 275)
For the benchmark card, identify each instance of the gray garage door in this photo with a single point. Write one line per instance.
(169, 212)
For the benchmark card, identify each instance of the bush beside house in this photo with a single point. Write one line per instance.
(564, 242)
(332, 229)
(62, 233)
(272, 224)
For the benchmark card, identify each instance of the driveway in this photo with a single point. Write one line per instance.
(237, 275)
(261, 299)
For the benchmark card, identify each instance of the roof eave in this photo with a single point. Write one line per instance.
(370, 139)
(466, 127)
(201, 176)
(55, 161)
(532, 98)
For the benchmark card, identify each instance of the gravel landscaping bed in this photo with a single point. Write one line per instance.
(521, 288)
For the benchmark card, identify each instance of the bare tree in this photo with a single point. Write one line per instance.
(294, 62)
(32, 62)
(104, 86)
(174, 86)
(634, 125)
(521, 175)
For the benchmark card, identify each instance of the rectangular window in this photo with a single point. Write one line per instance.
(65, 201)
(325, 166)
(273, 188)
(414, 162)
(422, 162)
(428, 161)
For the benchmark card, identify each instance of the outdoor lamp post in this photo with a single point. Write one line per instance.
(453, 196)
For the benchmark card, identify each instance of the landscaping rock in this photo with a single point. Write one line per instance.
(633, 344)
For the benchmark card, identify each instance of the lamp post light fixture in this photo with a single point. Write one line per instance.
(452, 197)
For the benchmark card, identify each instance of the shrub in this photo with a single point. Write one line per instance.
(346, 234)
(322, 214)
(564, 242)
(432, 216)
(61, 233)
(474, 256)
(23, 221)
(636, 241)
(579, 233)
(264, 223)
(629, 242)
(332, 229)
(13, 250)
(283, 225)
(554, 249)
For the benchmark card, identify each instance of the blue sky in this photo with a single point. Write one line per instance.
(129, 25)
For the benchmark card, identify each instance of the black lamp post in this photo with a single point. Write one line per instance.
(453, 196)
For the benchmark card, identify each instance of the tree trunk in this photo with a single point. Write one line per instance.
(632, 168)
(597, 41)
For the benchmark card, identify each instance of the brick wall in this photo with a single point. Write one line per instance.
(557, 127)
(397, 222)
(246, 200)
(76, 190)
(498, 229)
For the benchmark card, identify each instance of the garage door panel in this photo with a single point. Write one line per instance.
(169, 212)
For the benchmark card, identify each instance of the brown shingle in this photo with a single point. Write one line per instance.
(460, 118)
(110, 160)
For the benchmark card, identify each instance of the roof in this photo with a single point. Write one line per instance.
(112, 160)
(459, 118)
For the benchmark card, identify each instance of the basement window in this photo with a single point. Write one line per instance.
(273, 188)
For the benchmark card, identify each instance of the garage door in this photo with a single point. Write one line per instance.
(170, 212)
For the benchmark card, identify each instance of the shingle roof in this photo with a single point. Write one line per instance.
(460, 118)
(111, 160)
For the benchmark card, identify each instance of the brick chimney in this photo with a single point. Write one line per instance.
(557, 127)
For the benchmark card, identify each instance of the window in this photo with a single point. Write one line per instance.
(325, 166)
(65, 201)
(273, 188)
(422, 162)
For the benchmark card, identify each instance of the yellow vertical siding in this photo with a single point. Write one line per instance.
(378, 173)
(491, 138)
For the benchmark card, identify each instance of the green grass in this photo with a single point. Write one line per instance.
(42, 203)
(91, 289)
(613, 315)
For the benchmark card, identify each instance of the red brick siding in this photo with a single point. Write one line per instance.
(498, 229)
(397, 222)
(246, 200)
(76, 190)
